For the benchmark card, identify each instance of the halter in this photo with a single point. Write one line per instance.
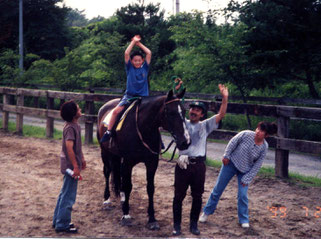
(139, 133)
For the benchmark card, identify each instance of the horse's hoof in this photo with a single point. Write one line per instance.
(126, 221)
(107, 205)
(154, 226)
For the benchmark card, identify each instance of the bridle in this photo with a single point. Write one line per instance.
(141, 137)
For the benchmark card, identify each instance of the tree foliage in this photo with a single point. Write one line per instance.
(45, 30)
(272, 47)
(284, 39)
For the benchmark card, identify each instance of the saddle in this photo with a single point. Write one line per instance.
(121, 117)
(119, 122)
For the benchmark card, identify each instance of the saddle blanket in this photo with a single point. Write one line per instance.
(122, 119)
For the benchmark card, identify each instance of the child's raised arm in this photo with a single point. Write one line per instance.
(134, 41)
(146, 50)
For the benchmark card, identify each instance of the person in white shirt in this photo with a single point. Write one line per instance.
(190, 169)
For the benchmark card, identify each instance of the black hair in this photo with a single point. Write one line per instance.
(267, 127)
(136, 53)
(68, 110)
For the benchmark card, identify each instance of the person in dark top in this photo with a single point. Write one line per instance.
(72, 159)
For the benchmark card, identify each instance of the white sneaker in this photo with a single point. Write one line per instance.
(245, 225)
(203, 217)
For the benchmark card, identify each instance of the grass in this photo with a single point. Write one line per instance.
(295, 178)
(33, 131)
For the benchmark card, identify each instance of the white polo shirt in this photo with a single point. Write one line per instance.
(198, 133)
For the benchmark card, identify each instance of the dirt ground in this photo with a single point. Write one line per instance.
(30, 182)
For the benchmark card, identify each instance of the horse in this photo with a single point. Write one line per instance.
(137, 141)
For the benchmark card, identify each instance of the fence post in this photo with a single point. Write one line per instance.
(89, 124)
(19, 116)
(5, 122)
(282, 156)
(36, 102)
(50, 121)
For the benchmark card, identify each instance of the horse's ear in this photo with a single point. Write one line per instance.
(170, 94)
(180, 95)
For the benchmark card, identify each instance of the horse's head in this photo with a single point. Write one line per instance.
(174, 120)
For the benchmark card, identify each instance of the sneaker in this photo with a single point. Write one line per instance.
(203, 218)
(68, 230)
(106, 137)
(71, 225)
(245, 225)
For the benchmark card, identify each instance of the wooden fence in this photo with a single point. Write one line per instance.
(283, 114)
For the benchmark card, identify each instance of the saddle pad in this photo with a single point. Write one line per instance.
(121, 121)
(123, 117)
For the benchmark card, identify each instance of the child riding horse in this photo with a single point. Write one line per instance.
(139, 140)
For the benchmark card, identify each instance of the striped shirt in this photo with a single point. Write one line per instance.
(245, 154)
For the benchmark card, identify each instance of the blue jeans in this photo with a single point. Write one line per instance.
(226, 174)
(66, 199)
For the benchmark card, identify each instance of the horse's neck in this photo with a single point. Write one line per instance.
(150, 112)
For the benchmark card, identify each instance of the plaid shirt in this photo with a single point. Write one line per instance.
(245, 154)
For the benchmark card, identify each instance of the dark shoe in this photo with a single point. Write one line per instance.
(177, 231)
(194, 230)
(68, 230)
(71, 225)
(106, 137)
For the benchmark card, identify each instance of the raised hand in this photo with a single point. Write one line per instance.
(136, 38)
(223, 90)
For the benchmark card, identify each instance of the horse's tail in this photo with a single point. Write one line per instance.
(116, 176)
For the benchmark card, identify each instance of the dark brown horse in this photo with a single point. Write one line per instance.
(138, 141)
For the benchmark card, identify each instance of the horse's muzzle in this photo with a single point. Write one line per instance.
(183, 145)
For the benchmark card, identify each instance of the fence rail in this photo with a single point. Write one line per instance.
(283, 114)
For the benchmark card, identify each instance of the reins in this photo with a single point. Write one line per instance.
(141, 137)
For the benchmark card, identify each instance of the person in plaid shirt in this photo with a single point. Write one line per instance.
(243, 157)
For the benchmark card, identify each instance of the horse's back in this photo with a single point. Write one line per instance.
(107, 107)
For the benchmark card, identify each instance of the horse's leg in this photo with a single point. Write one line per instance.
(107, 171)
(151, 167)
(126, 187)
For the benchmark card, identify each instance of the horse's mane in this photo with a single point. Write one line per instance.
(146, 100)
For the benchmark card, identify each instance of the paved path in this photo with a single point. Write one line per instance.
(304, 164)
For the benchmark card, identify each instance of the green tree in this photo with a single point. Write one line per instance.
(284, 40)
(45, 30)
(76, 18)
(97, 62)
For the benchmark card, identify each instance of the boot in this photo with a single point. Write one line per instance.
(106, 137)
(193, 228)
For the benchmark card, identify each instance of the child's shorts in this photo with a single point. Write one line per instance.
(124, 100)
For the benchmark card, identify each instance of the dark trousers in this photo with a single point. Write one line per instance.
(193, 176)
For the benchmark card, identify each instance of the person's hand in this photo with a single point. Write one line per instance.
(223, 90)
(183, 161)
(136, 39)
(76, 174)
(225, 161)
(179, 83)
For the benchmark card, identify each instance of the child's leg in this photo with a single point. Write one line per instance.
(108, 134)
(114, 115)
(67, 198)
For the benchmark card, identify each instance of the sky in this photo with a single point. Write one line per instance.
(107, 8)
